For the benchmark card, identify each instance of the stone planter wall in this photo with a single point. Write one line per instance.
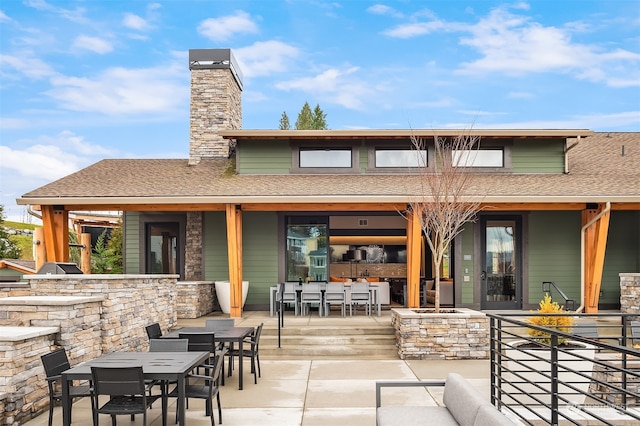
(23, 388)
(630, 294)
(451, 334)
(195, 298)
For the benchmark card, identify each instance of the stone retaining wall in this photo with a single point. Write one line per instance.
(630, 294)
(195, 298)
(22, 380)
(458, 333)
(89, 315)
(131, 302)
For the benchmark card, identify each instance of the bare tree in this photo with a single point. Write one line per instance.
(446, 200)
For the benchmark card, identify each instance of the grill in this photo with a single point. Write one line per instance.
(59, 268)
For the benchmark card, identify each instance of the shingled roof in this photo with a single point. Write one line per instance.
(602, 167)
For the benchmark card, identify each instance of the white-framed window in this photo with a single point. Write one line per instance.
(493, 157)
(387, 157)
(325, 157)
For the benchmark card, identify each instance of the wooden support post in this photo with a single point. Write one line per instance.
(413, 259)
(595, 249)
(85, 253)
(40, 250)
(55, 222)
(234, 248)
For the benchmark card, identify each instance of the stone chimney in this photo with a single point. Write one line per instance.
(216, 102)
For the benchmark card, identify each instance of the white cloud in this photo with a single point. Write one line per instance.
(415, 29)
(265, 58)
(381, 9)
(76, 15)
(521, 95)
(223, 28)
(93, 44)
(515, 45)
(121, 91)
(4, 17)
(334, 86)
(7, 123)
(30, 67)
(135, 22)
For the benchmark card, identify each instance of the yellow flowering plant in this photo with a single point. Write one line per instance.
(557, 321)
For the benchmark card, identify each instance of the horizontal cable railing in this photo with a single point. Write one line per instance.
(593, 379)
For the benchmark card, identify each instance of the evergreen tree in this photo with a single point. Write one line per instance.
(305, 118)
(319, 119)
(284, 122)
(8, 248)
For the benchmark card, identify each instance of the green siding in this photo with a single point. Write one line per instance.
(539, 156)
(260, 254)
(259, 257)
(364, 159)
(554, 253)
(622, 255)
(466, 240)
(264, 157)
(216, 263)
(131, 243)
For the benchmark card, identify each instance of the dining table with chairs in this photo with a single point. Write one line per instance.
(227, 335)
(158, 366)
(298, 288)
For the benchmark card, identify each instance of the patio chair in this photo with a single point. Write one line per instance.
(126, 390)
(311, 294)
(335, 294)
(168, 345)
(220, 323)
(165, 345)
(154, 331)
(253, 351)
(290, 295)
(204, 342)
(54, 364)
(205, 387)
(360, 295)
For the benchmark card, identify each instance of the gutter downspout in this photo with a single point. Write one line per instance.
(607, 208)
(33, 213)
(566, 157)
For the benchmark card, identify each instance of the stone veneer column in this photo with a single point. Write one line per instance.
(216, 104)
(193, 248)
(630, 294)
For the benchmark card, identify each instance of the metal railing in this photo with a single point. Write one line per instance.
(591, 380)
(547, 286)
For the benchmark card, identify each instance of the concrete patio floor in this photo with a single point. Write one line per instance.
(306, 392)
(313, 392)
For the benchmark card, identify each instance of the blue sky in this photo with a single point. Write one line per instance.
(85, 80)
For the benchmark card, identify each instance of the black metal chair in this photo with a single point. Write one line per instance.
(168, 345)
(204, 342)
(220, 324)
(126, 390)
(205, 387)
(253, 351)
(54, 364)
(154, 331)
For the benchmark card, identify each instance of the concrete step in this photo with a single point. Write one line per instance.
(328, 342)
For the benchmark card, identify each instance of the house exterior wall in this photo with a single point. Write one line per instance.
(543, 156)
(623, 253)
(216, 259)
(260, 255)
(131, 241)
(553, 253)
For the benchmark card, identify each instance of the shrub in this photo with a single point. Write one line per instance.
(557, 321)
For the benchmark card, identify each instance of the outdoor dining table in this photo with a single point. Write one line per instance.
(225, 335)
(174, 366)
(373, 288)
